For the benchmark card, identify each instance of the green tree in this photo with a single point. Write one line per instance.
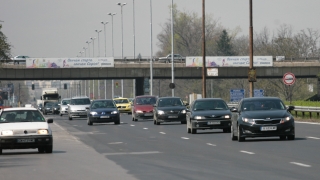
(224, 45)
(5, 47)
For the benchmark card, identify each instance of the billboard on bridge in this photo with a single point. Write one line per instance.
(69, 62)
(229, 61)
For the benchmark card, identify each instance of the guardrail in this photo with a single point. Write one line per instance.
(305, 110)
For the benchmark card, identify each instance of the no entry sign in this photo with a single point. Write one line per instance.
(288, 78)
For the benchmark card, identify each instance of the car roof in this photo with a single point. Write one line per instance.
(259, 98)
(145, 96)
(66, 99)
(208, 99)
(120, 98)
(102, 100)
(20, 108)
(79, 97)
(169, 98)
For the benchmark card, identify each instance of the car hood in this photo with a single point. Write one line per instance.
(265, 114)
(23, 125)
(147, 108)
(78, 107)
(211, 112)
(168, 108)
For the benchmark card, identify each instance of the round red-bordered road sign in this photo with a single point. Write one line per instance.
(288, 78)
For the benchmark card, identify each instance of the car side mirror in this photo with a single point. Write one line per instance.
(233, 109)
(290, 108)
(154, 105)
(50, 121)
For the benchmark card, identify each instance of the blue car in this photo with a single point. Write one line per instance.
(103, 111)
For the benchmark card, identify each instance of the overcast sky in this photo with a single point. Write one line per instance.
(60, 28)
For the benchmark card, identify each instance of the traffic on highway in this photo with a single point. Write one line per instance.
(105, 143)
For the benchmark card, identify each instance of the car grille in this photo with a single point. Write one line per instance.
(172, 112)
(267, 121)
(121, 106)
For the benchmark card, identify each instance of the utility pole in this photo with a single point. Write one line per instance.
(204, 72)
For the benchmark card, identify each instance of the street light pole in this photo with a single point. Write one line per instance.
(105, 38)
(93, 45)
(134, 32)
(85, 51)
(121, 5)
(98, 31)
(151, 53)
(88, 42)
(112, 81)
(172, 33)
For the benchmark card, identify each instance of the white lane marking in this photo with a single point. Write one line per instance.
(132, 153)
(132, 125)
(247, 152)
(184, 138)
(300, 164)
(122, 122)
(162, 132)
(211, 144)
(115, 143)
(307, 122)
(312, 137)
(145, 128)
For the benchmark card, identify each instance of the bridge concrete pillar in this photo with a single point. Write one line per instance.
(139, 86)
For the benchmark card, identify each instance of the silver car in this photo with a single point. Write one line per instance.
(64, 106)
(77, 107)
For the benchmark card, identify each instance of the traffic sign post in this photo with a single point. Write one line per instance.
(288, 78)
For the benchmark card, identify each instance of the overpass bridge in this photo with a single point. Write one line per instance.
(141, 69)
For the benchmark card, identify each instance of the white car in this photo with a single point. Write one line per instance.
(64, 106)
(176, 58)
(78, 107)
(25, 128)
(20, 59)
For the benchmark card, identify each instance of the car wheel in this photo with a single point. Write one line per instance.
(60, 114)
(283, 137)
(183, 122)
(70, 118)
(0, 151)
(240, 139)
(188, 129)
(41, 150)
(233, 137)
(291, 137)
(193, 131)
(49, 149)
(89, 122)
(158, 123)
(117, 122)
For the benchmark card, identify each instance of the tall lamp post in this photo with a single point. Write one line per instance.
(134, 32)
(98, 31)
(112, 81)
(105, 38)
(92, 45)
(88, 42)
(151, 53)
(172, 33)
(93, 56)
(121, 5)
(85, 51)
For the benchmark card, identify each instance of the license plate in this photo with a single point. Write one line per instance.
(213, 122)
(148, 114)
(104, 116)
(172, 116)
(268, 128)
(25, 140)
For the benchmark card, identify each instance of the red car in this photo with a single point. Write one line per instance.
(143, 107)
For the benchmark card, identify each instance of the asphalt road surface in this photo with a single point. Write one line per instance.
(142, 150)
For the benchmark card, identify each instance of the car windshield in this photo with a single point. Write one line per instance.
(48, 105)
(80, 101)
(210, 105)
(146, 100)
(121, 101)
(262, 105)
(65, 102)
(21, 116)
(103, 104)
(170, 102)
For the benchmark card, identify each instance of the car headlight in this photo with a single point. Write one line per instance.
(114, 112)
(43, 131)
(227, 116)
(93, 113)
(247, 120)
(7, 133)
(283, 120)
(138, 111)
(198, 117)
(183, 111)
(129, 106)
(160, 112)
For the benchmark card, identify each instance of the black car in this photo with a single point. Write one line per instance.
(103, 111)
(262, 117)
(208, 113)
(169, 109)
(55, 108)
(47, 108)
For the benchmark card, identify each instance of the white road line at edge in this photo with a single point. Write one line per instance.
(301, 122)
(247, 152)
(211, 144)
(300, 164)
(115, 143)
(312, 137)
(184, 138)
(162, 132)
(132, 125)
(145, 128)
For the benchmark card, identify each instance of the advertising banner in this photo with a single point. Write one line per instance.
(229, 61)
(69, 62)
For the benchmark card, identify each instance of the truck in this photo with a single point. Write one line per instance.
(50, 95)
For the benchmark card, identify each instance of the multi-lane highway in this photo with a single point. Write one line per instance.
(142, 150)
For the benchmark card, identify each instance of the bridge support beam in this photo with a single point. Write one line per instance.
(139, 86)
